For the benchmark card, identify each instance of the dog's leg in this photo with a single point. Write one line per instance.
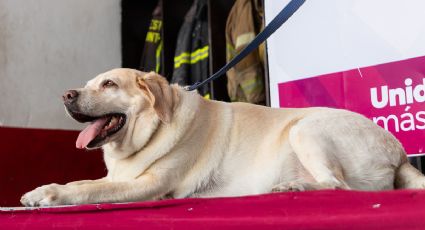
(143, 188)
(81, 182)
(317, 156)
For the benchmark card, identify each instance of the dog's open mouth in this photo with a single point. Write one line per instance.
(99, 129)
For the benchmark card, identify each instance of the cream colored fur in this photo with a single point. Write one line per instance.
(177, 144)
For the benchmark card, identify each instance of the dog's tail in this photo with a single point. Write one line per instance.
(408, 177)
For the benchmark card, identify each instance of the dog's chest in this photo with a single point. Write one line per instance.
(122, 170)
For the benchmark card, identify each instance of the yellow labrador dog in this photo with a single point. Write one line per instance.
(161, 141)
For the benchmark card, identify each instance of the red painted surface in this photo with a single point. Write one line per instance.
(33, 157)
(302, 210)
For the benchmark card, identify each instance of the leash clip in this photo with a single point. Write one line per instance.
(192, 87)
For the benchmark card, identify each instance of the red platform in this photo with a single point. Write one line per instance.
(302, 210)
(30, 158)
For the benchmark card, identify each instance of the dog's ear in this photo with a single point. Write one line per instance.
(159, 93)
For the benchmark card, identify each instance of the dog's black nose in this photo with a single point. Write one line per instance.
(70, 96)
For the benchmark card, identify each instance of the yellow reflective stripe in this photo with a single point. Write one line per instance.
(251, 85)
(192, 58)
(198, 58)
(192, 61)
(158, 57)
(194, 53)
(181, 56)
(230, 51)
(244, 39)
(177, 65)
(201, 50)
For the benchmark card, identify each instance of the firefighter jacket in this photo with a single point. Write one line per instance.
(245, 81)
(152, 52)
(192, 49)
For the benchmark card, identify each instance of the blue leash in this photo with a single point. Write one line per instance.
(281, 18)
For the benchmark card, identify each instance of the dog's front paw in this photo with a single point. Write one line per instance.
(47, 195)
(290, 187)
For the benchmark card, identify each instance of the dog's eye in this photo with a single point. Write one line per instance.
(108, 83)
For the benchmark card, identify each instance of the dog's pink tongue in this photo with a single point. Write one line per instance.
(90, 132)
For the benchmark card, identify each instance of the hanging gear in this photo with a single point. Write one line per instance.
(191, 62)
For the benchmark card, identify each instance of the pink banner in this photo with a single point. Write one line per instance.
(391, 94)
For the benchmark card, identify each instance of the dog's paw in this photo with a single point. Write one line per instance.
(47, 195)
(290, 187)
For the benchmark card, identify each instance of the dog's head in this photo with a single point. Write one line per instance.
(117, 104)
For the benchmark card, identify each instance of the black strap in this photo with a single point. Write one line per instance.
(281, 18)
